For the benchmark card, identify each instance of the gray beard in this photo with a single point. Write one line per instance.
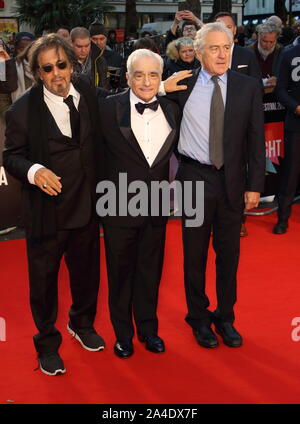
(265, 53)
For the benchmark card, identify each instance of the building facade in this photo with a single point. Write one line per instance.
(255, 11)
(161, 10)
(245, 11)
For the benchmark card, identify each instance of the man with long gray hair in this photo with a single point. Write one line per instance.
(268, 53)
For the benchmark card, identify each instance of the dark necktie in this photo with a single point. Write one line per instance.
(74, 117)
(140, 107)
(216, 124)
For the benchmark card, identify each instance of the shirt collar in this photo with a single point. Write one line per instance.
(135, 99)
(206, 76)
(60, 99)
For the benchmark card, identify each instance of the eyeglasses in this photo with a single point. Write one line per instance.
(189, 28)
(49, 68)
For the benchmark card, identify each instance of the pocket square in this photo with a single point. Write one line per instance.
(242, 66)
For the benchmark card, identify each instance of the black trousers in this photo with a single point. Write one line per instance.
(81, 250)
(134, 265)
(225, 222)
(290, 175)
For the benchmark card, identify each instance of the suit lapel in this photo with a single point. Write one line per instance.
(234, 59)
(231, 102)
(86, 109)
(123, 119)
(167, 110)
(84, 120)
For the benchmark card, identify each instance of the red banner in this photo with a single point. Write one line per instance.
(274, 137)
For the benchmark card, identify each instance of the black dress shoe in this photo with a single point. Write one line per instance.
(229, 334)
(153, 343)
(280, 228)
(123, 349)
(206, 337)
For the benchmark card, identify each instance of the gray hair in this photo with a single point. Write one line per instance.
(275, 20)
(183, 41)
(174, 47)
(79, 32)
(138, 54)
(268, 28)
(200, 39)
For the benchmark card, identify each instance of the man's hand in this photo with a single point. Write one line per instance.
(170, 84)
(187, 15)
(177, 20)
(271, 81)
(178, 17)
(270, 84)
(251, 199)
(47, 181)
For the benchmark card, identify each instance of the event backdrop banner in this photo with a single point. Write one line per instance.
(274, 114)
(10, 192)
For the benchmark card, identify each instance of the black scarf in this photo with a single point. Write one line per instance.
(44, 206)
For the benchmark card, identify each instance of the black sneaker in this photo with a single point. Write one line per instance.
(51, 363)
(88, 338)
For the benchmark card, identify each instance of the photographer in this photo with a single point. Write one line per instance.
(191, 24)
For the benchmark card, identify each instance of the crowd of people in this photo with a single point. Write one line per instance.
(68, 129)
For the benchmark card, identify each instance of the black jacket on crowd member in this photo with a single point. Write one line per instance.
(288, 92)
(171, 37)
(172, 66)
(112, 58)
(245, 62)
(288, 88)
(11, 83)
(98, 74)
(99, 68)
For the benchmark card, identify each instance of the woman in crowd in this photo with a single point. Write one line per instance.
(180, 56)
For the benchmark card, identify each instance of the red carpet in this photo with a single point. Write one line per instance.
(265, 370)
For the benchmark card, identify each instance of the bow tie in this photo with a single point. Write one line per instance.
(140, 107)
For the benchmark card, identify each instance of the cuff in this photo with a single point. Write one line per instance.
(161, 90)
(31, 172)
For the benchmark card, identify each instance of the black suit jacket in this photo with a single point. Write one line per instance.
(124, 155)
(26, 143)
(288, 86)
(243, 138)
(244, 61)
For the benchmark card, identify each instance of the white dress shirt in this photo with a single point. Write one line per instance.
(150, 129)
(61, 114)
